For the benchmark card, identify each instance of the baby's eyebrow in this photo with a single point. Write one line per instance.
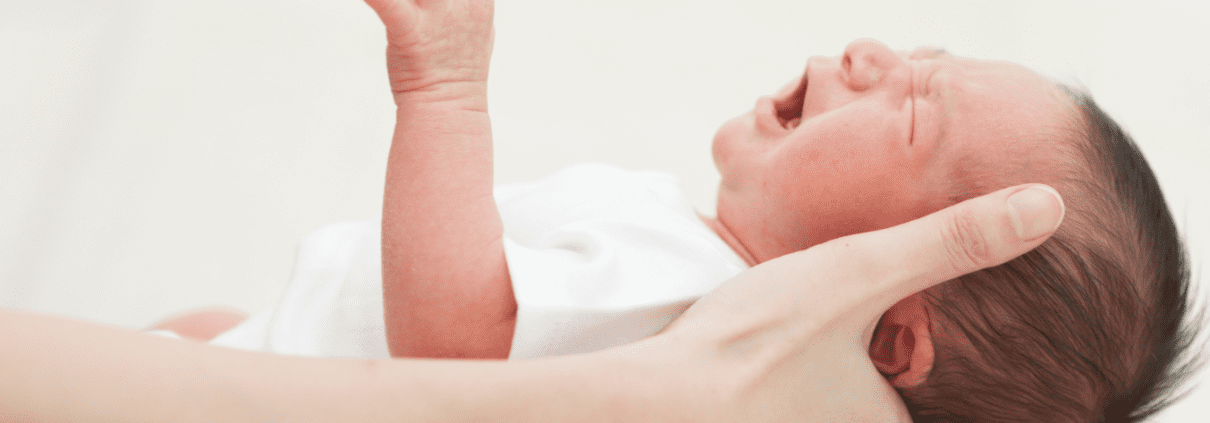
(929, 52)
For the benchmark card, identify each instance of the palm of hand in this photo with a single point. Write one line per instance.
(433, 42)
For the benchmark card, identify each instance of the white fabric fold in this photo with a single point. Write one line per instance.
(598, 256)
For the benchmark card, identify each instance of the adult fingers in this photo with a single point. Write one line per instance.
(987, 231)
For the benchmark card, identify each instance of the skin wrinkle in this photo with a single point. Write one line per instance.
(912, 122)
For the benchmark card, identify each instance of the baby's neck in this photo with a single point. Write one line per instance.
(725, 233)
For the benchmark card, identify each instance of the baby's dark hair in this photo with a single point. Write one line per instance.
(1092, 326)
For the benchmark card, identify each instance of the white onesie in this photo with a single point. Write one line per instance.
(599, 256)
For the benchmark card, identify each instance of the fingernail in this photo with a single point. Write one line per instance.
(1035, 211)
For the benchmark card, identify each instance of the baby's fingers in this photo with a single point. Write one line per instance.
(973, 235)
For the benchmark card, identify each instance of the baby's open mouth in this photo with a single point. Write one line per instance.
(789, 110)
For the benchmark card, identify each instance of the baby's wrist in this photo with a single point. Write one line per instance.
(466, 95)
(430, 71)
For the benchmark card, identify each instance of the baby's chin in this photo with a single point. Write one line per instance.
(734, 152)
(737, 231)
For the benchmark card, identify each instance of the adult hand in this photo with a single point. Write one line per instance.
(788, 340)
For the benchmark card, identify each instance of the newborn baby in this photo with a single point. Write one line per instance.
(1087, 327)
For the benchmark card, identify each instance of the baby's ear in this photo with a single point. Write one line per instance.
(902, 347)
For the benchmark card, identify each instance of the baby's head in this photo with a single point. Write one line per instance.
(1087, 327)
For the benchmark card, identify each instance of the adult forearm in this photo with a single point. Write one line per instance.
(62, 370)
(56, 369)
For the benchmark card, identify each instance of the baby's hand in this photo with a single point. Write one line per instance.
(434, 44)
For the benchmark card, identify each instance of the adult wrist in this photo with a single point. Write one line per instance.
(679, 375)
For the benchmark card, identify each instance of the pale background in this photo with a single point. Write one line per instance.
(162, 155)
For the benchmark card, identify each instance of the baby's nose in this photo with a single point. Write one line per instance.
(865, 62)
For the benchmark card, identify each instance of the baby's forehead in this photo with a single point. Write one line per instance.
(992, 83)
(1005, 113)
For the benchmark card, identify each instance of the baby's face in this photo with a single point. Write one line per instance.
(869, 139)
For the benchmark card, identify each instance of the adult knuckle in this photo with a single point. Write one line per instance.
(965, 243)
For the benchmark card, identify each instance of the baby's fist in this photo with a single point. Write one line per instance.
(434, 43)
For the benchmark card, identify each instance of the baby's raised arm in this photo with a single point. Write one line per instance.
(446, 287)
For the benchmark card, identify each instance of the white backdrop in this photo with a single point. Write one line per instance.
(162, 155)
